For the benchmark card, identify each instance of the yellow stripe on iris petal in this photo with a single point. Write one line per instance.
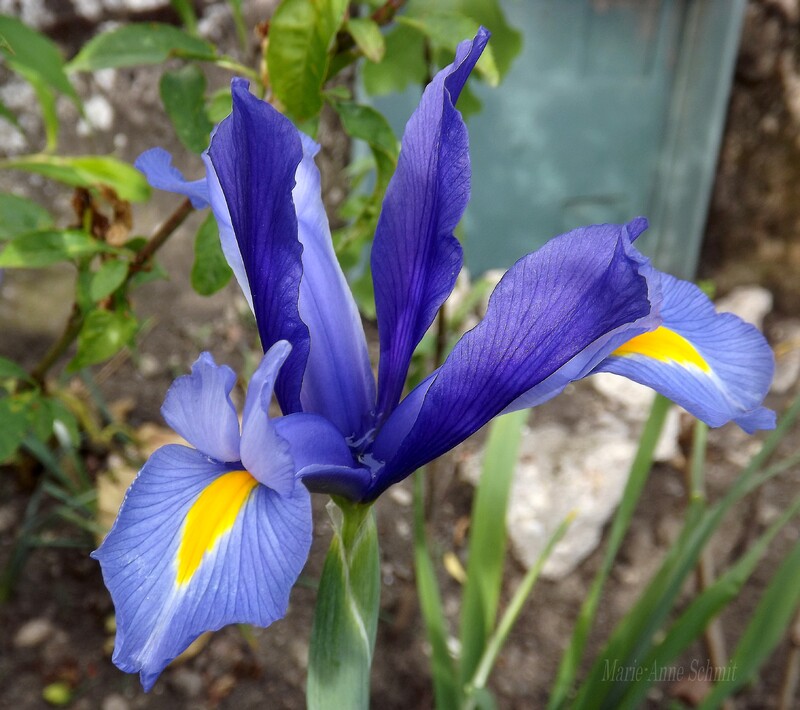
(665, 345)
(210, 517)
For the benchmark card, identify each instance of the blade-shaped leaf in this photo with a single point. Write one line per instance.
(138, 44)
(87, 171)
(487, 540)
(445, 679)
(182, 92)
(301, 35)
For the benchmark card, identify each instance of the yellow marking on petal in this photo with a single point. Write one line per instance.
(210, 517)
(665, 345)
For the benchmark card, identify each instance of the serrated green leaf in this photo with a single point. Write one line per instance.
(183, 94)
(301, 35)
(13, 426)
(39, 249)
(446, 30)
(107, 279)
(27, 50)
(403, 63)
(104, 333)
(19, 215)
(219, 105)
(86, 171)
(368, 38)
(138, 44)
(210, 270)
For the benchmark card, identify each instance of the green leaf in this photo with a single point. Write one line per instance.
(301, 35)
(403, 63)
(446, 30)
(487, 540)
(446, 688)
(13, 426)
(46, 248)
(238, 20)
(138, 44)
(346, 615)
(31, 53)
(506, 41)
(368, 38)
(86, 171)
(210, 270)
(107, 279)
(8, 115)
(47, 102)
(104, 333)
(767, 626)
(11, 370)
(186, 12)
(19, 215)
(182, 92)
(219, 105)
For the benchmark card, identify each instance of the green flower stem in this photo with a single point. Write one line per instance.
(346, 615)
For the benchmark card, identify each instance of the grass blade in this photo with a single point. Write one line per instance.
(487, 540)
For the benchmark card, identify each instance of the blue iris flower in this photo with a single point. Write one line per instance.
(217, 534)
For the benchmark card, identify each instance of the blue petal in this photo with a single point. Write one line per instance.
(244, 576)
(199, 408)
(264, 452)
(729, 379)
(156, 164)
(415, 257)
(255, 153)
(338, 381)
(230, 247)
(548, 308)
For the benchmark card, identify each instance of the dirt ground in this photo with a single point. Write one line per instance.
(63, 607)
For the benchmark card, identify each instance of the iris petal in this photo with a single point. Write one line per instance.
(224, 556)
(338, 381)
(199, 408)
(264, 452)
(415, 257)
(715, 365)
(156, 164)
(548, 307)
(255, 153)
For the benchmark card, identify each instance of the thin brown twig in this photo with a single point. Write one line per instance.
(73, 326)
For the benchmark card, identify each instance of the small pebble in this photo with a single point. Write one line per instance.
(115, 702)
(187, 682)
(33, 633)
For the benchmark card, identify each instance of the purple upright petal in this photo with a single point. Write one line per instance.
(415, 257)
(199, 408)
(338, 381)
(548, 308)
(255, 153)
(156, 164)
(198, 545)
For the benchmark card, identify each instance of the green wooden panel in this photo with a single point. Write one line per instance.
(614, 109)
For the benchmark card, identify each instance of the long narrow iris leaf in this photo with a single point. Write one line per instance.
(487, 541)
(445, 679)
(640, 468)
